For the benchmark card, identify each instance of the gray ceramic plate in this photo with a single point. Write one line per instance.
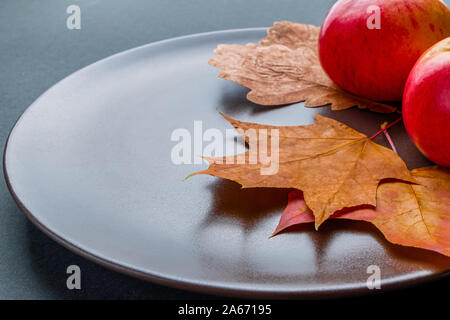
(90, 164)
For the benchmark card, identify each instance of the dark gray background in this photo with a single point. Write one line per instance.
(36, 51)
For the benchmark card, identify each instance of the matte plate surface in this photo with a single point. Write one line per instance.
(90, 163)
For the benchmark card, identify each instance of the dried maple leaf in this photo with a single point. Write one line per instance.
(335, 165)
(284, 68)
(415, 215)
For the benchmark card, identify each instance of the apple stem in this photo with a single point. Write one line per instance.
(385, 128)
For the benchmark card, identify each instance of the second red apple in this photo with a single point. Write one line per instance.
(426, 103)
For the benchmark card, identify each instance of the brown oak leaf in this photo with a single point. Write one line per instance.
(415, 215)
(284, 68)
(335, 165)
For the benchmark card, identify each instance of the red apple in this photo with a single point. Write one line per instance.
(426, 103)
(368, 47)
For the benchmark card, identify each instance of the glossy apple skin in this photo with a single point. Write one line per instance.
(375, 63)
(426, 103)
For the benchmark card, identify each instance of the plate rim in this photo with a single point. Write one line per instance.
(184, 284)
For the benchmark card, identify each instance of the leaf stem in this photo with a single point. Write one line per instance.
(388, 137)
(387, 127)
